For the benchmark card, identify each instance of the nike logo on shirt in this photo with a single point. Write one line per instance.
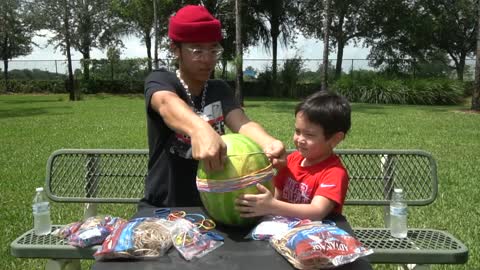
(322, 185)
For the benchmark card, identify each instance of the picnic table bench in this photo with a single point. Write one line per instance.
(94, 176)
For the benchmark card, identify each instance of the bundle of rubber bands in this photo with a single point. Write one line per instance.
(317, 246)
(139, 238)
(227, 185)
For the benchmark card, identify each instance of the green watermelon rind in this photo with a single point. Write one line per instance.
(251, 151)
(240, 162)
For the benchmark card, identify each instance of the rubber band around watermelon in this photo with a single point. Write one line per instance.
(227, 185)
(242, 170)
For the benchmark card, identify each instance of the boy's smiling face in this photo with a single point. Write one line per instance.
(310, 140)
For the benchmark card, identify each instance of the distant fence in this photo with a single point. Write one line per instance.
(138, 68)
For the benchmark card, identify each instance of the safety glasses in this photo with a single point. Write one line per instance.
(198, 53)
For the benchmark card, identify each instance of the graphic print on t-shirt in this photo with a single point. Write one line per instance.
(296, 192)
(180, 144)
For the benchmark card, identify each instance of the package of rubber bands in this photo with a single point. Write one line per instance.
(91, 231)
(190, 241)
(318, 246)
(139, 238)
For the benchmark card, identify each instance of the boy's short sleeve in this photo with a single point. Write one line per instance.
(334, 186)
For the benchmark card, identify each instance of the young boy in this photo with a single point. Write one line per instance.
(314, 183)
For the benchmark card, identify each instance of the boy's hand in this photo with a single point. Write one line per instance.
(253, 205)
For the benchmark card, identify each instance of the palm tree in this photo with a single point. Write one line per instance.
(277, 20)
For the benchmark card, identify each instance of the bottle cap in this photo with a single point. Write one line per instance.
(38, 189)
(398, 190)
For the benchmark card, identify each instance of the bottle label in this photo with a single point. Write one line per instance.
(41, 207)
(398, 210)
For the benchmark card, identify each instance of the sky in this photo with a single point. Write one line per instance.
(43, 56)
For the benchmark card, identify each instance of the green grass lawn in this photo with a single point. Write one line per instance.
(33, 126)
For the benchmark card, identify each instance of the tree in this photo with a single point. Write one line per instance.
(61, 26)
(400, 34)
(138, 17)
(277, 19)
(326, 25)
(476, 89)
(404, 32)
(16, 32)
(346, 23)
(224, 10)
(93, 26)
(454, 28)
(239, 52)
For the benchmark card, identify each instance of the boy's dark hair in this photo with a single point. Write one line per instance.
(328, 110)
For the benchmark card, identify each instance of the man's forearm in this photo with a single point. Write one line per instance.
(257, 133)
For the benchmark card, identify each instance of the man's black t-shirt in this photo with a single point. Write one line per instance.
(171, 169)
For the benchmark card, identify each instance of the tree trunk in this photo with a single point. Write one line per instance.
(274, 32)
(86, 64)
(5, 74)
(86, 42)
(70, 83)
(340, 37)
(224, 68)
(326, 26)
(338, 67)
(238, 52)
(460, 66)
(476, 89)
(148, 44)
(155, 29)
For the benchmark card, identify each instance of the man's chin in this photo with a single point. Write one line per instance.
(204, 74)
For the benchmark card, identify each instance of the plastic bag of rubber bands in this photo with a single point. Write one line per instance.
(91, 231)
(318, 246)
(139, 238)
(191, 242)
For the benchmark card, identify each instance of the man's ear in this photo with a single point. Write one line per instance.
(175, 50)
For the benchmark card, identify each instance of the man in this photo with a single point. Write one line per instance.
(187, 113)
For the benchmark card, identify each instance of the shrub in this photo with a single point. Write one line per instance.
(34, 86)
(395, 91)
(290, 75)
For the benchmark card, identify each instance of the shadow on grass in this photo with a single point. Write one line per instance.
(22, 112)
(28, 101)
(283, 107)
(383, 108)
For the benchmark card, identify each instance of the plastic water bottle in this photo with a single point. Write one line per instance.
(398, 214)
(42, 224)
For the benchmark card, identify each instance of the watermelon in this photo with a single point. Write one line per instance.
(244, 157)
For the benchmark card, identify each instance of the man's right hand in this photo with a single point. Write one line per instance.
(208, 146)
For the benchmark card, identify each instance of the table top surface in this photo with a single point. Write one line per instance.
(237, 252)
